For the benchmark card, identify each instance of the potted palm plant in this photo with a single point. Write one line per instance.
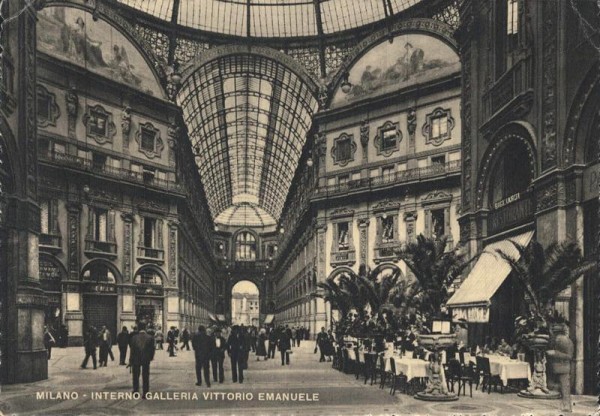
(542, 274)
(435, 269)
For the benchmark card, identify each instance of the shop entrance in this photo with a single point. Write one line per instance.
(100, 296)
(149, 296)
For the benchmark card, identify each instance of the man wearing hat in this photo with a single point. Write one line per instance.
(202, 345)
(236, 348)
(219, 346)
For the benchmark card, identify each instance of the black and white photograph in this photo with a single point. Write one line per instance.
(300, 207)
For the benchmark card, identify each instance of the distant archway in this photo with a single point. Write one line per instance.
(245, 303)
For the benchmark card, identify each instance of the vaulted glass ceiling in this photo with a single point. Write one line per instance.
(247, 117)
(272, 18)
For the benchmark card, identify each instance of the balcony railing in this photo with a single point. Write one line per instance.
(519, 211)
(405, 176)
(80, 163)
(254, 265)
(96, 248)
(345, 257)
(514, 82)
(50, 242)
(151, 255)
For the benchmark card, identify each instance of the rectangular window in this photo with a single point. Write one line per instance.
(387, 229)
(149, 232)
(438, 160)
(344, 150)
(148, 174)
(45, 216)
(99, 224)
(387, 171)
(343, 238)
(148, 137)
(98, 123)
(389, 138)
(98, 161)
(439, 127)
(343, 179)
(438, 223)
(43, 107)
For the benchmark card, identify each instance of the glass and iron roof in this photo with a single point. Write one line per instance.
(248, 117)
(272, 18)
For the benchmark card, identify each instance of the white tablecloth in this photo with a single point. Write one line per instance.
(411, 367)
(506, 368)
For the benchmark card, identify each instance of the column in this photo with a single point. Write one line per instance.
(363, 237)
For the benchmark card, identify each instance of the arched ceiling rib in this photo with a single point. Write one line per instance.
(248, 117)
(273, 18)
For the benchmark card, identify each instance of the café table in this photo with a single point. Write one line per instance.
(507, 368)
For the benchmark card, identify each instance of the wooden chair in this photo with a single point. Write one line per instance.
(483, 370)
(398, 380)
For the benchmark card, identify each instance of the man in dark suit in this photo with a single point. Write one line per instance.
(236, 348)
(272, 343)
(219, 345)
(123, 342)
(141, 353)
(172, 341)
(90, 342)
(285, 345)
(202, 345)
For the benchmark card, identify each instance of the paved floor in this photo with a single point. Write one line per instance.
(338, 394)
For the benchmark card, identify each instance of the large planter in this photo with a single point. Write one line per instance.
(538, 388)
(436, 390)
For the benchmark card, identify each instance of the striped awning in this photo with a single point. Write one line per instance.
(486, 277)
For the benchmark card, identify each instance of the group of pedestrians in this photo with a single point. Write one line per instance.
(93, 339)
(324, 344)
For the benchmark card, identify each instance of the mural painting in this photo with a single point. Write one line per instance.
(71, 34)
(390, 66)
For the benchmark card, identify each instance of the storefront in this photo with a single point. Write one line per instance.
(149, 296)
(100, 296)
(52, 273)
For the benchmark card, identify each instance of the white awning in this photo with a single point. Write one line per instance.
(212, 317)
(221, 319)
(485, 279)
(269, 319)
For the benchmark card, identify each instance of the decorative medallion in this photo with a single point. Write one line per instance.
(99, 124)
(388, 138)
(343, 149)
(149, 140)
(438, 126)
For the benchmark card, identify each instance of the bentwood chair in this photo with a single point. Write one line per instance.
(399, 381)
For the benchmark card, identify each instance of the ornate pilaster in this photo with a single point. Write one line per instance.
(173, 252)
(411, 127)
(72, 110)
(321, 229)
(410, 218)
(127, 246)
(173, 133)
(73, 224)
(363, 236)
(549, 82)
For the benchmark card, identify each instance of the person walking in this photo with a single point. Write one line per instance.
(299, 336)
(90, 342)
(123, 343)
(294, 336)
(185, 339)
(49, 341)
(202, 345)
(219, 346)
(322, 338)
(159, 337)
(172, 341)
(236, 349)
(141, 353)
(261, 350)
(105, 343)
(285, 345)
(272, 343)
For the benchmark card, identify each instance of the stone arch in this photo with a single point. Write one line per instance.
(585, 106)
(338, 271)
(520, 132)
(262, 51)
(386, 266)
(156, 270)
(434, 28)
(118, 278)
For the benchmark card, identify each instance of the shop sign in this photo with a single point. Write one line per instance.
(148, 291)
(100, 288)
(516, 212)
(49, 271)
(506, 201)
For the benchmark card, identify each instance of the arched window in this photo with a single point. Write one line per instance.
(511, 174)
(245, 246)
(98, 272)
(148, 277)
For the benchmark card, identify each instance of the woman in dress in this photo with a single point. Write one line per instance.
(261, 350)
